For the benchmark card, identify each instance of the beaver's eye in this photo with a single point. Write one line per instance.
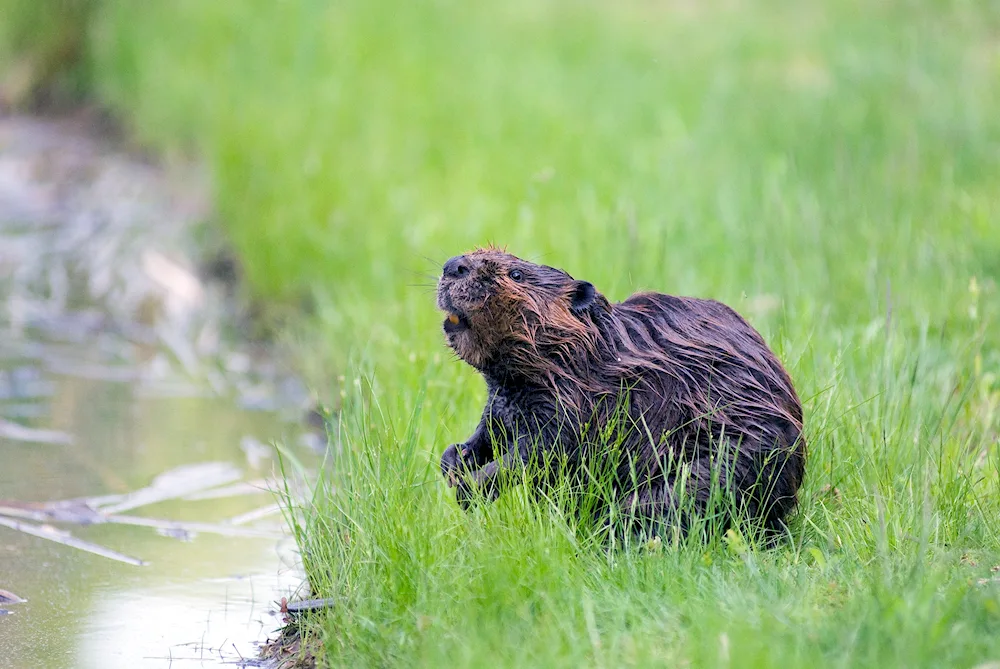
(515, 274)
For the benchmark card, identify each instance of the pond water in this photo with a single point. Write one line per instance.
(125, 387)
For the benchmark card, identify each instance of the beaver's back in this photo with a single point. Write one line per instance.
(705, 341)
(707, 377)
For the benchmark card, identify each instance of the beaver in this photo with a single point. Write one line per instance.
(699, 402)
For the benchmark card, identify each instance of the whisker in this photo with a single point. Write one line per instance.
(435, 263)
(422, 275)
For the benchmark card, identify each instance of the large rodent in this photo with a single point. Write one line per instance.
(706, 404)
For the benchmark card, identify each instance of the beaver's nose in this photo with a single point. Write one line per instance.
(456, 267)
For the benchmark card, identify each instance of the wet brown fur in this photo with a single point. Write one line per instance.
(557, 356)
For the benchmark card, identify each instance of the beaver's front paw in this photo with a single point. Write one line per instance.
(464, 491)
(454, 462)
(481, 484)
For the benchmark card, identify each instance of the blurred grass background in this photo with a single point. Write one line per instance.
(348, 140)
(832, 170)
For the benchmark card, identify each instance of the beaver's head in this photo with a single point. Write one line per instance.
(506, 312)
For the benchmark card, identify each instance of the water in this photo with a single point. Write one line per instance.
(118, 365)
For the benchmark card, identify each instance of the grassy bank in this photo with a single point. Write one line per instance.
(830, 170)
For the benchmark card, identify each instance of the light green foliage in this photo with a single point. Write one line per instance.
(829, 169)
(820, 155)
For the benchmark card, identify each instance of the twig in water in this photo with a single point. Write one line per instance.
(204, 528)
(18, 432)
(67, 539)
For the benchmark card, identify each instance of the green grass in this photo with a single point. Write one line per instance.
(831, 170)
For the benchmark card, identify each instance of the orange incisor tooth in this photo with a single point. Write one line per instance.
(453, 319)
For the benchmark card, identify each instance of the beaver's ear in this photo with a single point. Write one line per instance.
(583, 296)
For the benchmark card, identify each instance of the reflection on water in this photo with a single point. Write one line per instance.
(214, 632)
(100, 394)
(204, 598)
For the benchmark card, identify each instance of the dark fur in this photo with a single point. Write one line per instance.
(695, 381)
